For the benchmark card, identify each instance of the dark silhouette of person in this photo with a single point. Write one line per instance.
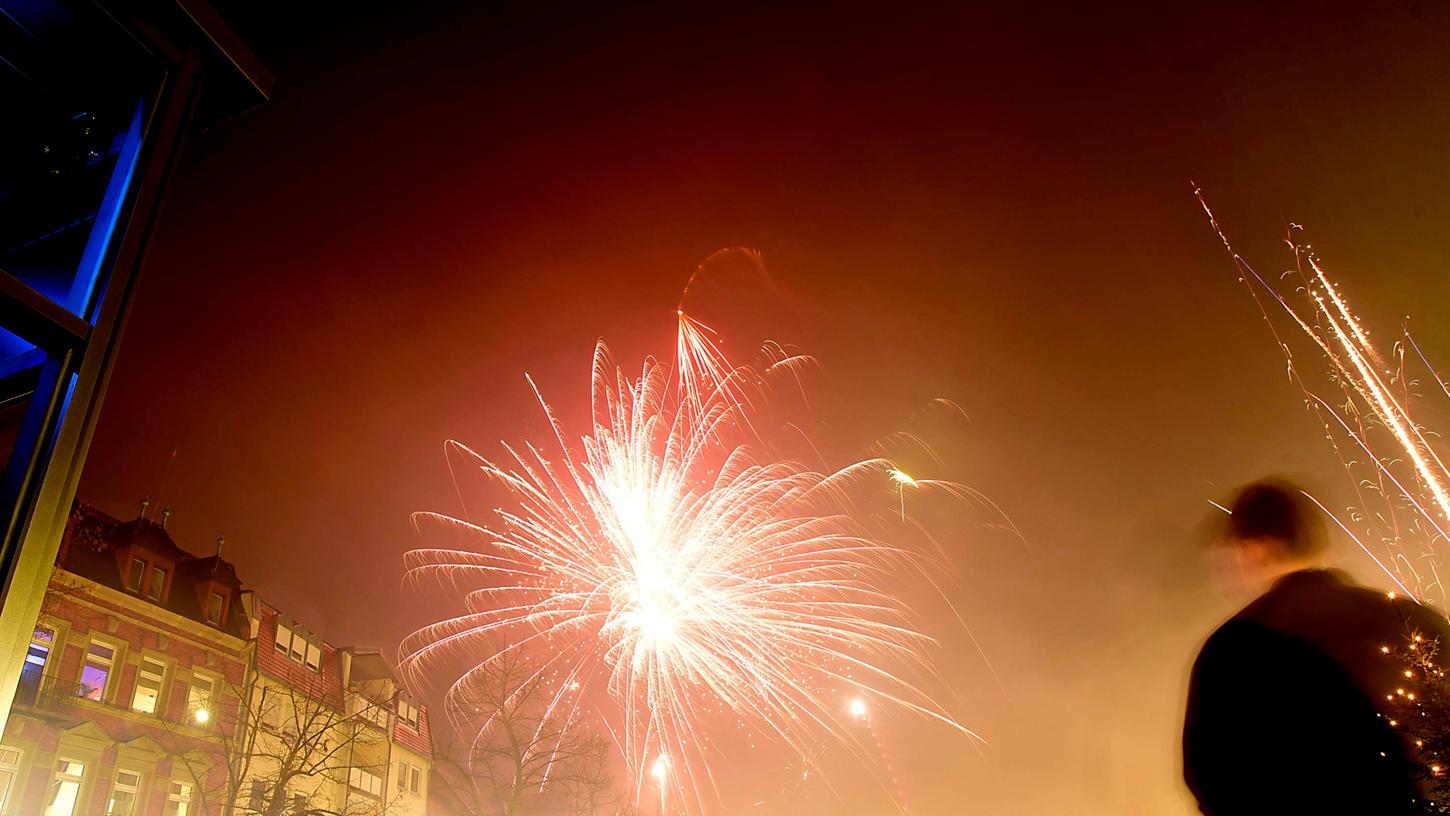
(1284, 702)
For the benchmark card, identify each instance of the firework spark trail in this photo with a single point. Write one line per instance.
(1410, 481)
(669, 560)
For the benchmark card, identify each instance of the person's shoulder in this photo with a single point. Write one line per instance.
(1234, 639)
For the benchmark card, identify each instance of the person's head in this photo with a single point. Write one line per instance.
(1273, 527)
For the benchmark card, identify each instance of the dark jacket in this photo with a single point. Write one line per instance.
(1285, 711)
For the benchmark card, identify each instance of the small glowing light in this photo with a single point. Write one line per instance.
(660, 767)
(1392, 596)
(1434, 769)
(1385, 649)
(1408, 673)
(202, 715)
(574, 686)
(858, 708)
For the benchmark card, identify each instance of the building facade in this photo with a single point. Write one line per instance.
(156, 683)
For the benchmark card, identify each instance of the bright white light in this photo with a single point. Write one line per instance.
(858, 708)
(660, 768)
(202, 715)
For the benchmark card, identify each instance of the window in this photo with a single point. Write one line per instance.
(158, 584)
(408, 712)
(178, 800)
(295, 643)
(96, 671)
(365, 781)
(199, 699)
(124, 794)
(214, 606)
(299, 804)
(9, 769)
(258, 797)
(410, 778)
(149, 679)
(133, 578)
(65, 788)
(33, 670)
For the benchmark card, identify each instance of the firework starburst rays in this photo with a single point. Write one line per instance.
(668, 559)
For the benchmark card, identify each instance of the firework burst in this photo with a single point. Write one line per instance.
(668, 560)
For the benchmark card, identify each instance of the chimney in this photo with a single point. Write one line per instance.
(145, 503)
(165, 515)
(221, 541)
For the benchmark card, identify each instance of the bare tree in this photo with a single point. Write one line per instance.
(520, 748)
(289, 749)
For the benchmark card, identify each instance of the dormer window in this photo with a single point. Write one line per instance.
(215, 604)
(408, 713)
(158, 584)
(133, 578)
(296, 644)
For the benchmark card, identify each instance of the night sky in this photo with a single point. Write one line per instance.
(987, 205)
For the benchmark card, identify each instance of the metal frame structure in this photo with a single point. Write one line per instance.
(206, 75)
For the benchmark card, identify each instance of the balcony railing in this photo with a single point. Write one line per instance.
(43, 693)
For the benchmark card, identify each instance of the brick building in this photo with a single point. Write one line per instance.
(156, 683)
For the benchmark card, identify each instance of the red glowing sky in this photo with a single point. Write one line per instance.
(987, 205)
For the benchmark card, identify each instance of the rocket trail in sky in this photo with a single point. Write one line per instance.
(1366, 411)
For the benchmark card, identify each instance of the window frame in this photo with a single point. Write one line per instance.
(154, 592)
(161, 683)
(221, 608)
(134, 790)
(373, 782)
(408, 713)
(59, 777)
(108, 685)
(13, 768)
(175, 797)
(137, 575)
(210, 703)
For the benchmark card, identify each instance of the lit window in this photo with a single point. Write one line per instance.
(214, 605)
(314, 656)
(124, 793)
(36, 656)
(96, 671)
(40, 645)
(9, 768)
(133, 579)
(158, 584)
(200, 699)
(178, 801)
(65, 788)
(365, 781)
(149, 678)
